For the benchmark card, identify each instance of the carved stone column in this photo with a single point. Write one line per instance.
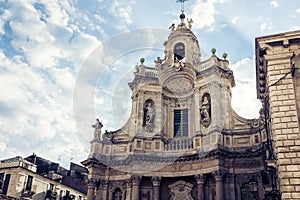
(91, 189)
(200, 182)
(219, 185)
(135, 193)
(128, 189)
(156, 183)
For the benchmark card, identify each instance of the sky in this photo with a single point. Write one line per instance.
(64, 63)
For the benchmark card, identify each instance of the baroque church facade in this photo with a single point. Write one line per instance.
(183, 140)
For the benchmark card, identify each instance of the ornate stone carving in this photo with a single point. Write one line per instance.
(218, 175)
(156, 180)
(179, 85)
(190, 23)
(103, 184)
(149, 115)
(177, 65)
(172, 27)
(135, 179)
(108, 135)
(200, 178)
(205, 110)
(158, 62)
(128, 183)
(181, 190)
(97, 126)
(169, 57)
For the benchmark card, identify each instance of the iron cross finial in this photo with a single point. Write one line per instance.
(182, 4)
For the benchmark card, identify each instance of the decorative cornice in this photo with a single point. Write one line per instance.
(214, 154)
(266, 52)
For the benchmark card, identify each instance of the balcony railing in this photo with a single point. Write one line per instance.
(179, 144)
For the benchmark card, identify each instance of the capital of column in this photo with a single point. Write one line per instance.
(200, 178)
(218, 175)
(103, 184)
(128, 183)
(135, 179)
(156, 180)
(92, 182)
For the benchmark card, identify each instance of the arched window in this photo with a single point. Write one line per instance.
(117, 194)
(179, 51)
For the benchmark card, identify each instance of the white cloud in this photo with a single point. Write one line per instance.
(122, 11)
(266, 26)
(296, 27)
(37, 85)
(234, 20)
(297, 10)
(245, 89)
(203, 13)
(274, 4)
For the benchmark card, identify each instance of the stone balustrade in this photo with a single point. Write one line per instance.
(212, 61)
(179, 144)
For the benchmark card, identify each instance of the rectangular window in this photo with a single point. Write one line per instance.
(181, 123)
(6, 184)
(29, 183)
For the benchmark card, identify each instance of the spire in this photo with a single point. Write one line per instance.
(182, 4)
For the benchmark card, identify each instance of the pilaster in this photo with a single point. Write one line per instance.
(156, 184)
(219, 185)
(128, 189)
(91, 189)
(135, 187)
(200, 183)
(103, 186)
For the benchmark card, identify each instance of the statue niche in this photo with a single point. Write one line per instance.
(205, 110)
(149, 114)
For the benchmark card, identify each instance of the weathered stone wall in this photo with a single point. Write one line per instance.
(283, 110)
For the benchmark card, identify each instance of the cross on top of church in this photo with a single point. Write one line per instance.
(182, 4)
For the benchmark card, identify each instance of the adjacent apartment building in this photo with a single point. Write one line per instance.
(37, 178)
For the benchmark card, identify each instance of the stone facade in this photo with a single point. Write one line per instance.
(183, 140)
(278, 78)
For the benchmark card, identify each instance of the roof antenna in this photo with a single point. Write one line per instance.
(182, 4)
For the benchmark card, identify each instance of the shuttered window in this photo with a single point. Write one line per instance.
(181, 123)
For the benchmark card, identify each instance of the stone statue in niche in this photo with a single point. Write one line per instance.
(205, 111)
(149, 114)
